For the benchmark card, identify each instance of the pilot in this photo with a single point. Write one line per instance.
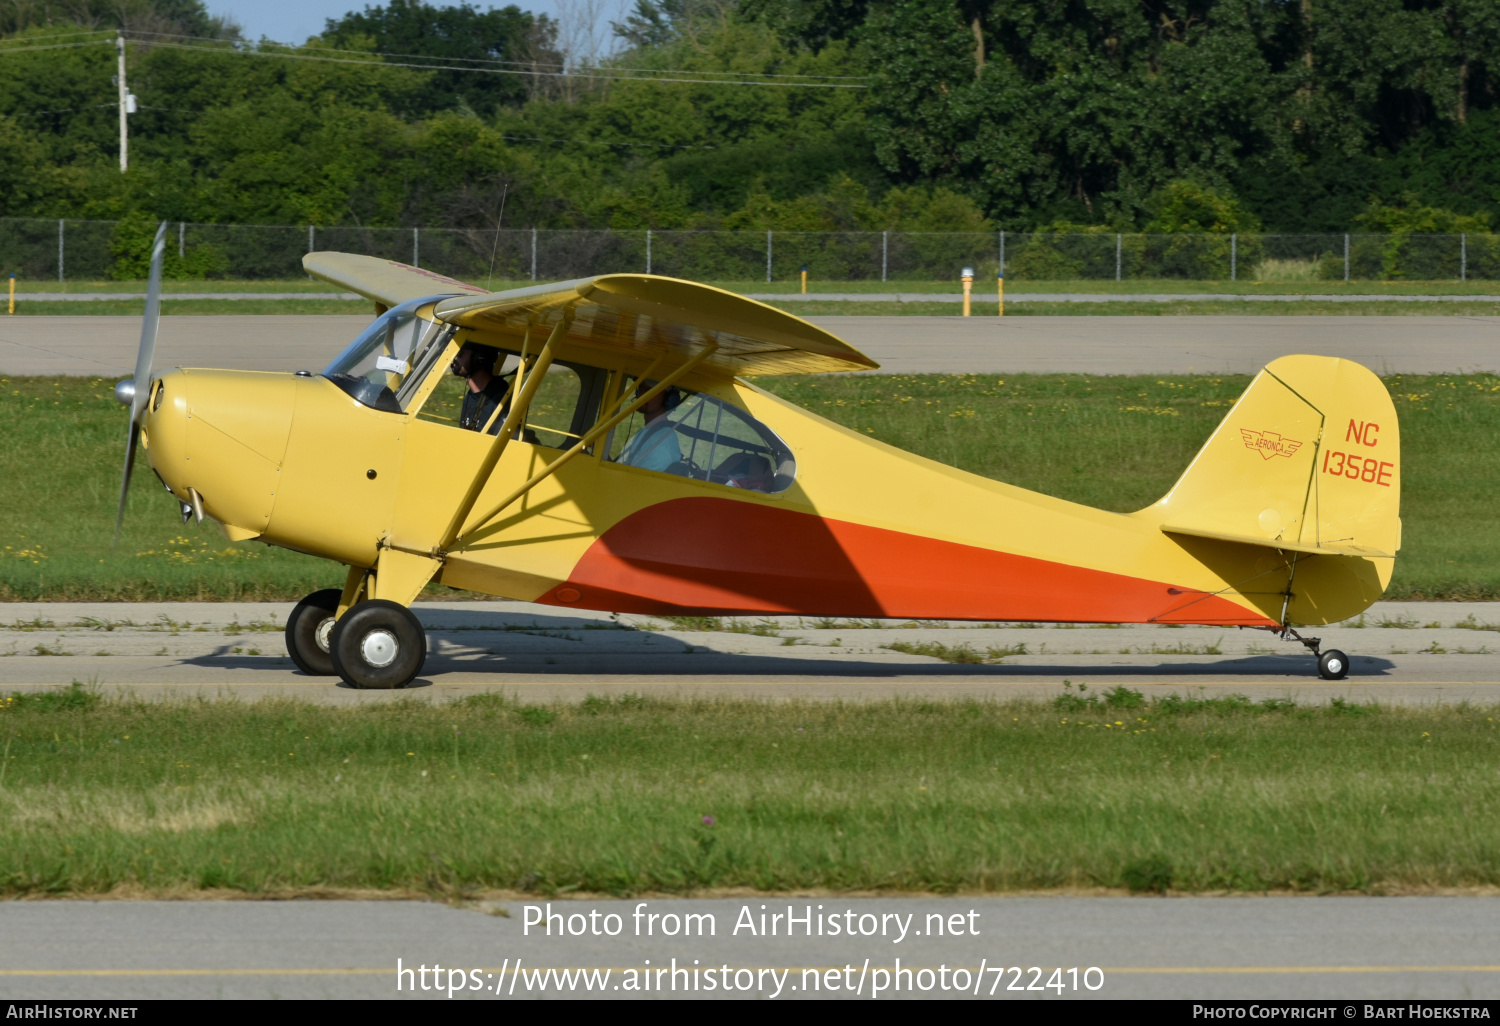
(654, 446)
(487, 390)
(747, 470)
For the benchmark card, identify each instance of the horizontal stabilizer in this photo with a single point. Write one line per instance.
(1326, 549)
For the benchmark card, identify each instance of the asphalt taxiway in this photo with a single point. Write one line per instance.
(963, 948)
(1227, 344)
(1400, 653)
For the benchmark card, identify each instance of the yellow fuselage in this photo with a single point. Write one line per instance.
(866, 529)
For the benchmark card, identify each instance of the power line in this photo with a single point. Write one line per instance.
(53, 46)
(526, 64)
(503, 71)
(59, 35)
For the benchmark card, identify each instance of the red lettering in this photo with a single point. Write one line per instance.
(1368, 474)
(1385, 472)
(1326, 453)
(1364, 434)
(1351, 469)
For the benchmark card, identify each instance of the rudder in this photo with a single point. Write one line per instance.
(1307, 463)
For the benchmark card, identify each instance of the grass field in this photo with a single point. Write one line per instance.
(1474, 298)
(1113, 442)
(1475, 307)
(1137, 286)
(197, 307)
(633, 795)
(1130, 286)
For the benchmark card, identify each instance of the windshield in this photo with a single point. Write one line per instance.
(383, 366)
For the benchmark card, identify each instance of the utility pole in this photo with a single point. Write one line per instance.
(127, 103)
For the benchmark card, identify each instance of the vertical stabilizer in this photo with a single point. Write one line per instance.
(1307, 465)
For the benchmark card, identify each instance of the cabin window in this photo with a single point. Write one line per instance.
(562, 409)
(382, 367)
(708, 440)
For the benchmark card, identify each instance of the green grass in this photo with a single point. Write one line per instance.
(1130, 286)
(61, 466)
(1113, 442)
(183, 307)
(1137, 286)
(1475, 307)
(302, 284)
(634, 795)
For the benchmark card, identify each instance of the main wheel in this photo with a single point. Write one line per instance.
(378, 644)
(309, 630)
(1333, 665)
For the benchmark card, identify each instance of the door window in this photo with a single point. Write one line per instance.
(708, 440)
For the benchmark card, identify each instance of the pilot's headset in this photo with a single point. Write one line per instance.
(671, 398)
(482, 358)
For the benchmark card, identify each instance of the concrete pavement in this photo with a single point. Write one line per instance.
(1406, 653)
(106, 346)
(1201, 948)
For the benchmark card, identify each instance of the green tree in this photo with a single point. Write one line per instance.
(1188, 206)
(502, 50)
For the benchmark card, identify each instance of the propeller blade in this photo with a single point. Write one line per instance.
(148, 330)
(124, 487)
(142, 380)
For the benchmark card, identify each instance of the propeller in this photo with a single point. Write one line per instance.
(134, 392)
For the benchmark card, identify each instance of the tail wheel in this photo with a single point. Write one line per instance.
(378, 644)
(309, 632)
(1333, 665)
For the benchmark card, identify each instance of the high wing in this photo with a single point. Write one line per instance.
(387, 282)
(650, 316)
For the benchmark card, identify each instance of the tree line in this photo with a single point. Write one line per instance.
(814, 115)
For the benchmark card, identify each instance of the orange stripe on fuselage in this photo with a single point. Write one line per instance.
(721, 556)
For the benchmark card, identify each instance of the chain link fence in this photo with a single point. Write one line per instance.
(69, 249)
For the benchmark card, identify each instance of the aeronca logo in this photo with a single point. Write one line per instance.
(1269, 443)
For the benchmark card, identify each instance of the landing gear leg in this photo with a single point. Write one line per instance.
(378, 644)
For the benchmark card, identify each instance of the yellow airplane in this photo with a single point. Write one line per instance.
(630, 464)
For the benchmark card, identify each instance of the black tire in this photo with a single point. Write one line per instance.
(309, 632)
(1333, 665)
(378, 644)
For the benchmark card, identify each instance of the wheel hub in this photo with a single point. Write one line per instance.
(323, 635)
(379, 648)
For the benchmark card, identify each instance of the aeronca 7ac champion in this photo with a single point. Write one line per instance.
(628, 463)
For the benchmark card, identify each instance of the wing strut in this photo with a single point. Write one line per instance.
(517, 411)
(603, 427)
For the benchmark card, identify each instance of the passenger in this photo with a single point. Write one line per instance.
(487, 390)
(747, 470)
(654, 446)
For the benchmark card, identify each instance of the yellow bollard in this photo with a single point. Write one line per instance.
(968, 286)
(1001, 281)
(12, 310)
(804, 279)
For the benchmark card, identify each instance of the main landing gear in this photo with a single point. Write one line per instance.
(309, 631)
(1332, 664)
(376, 644)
